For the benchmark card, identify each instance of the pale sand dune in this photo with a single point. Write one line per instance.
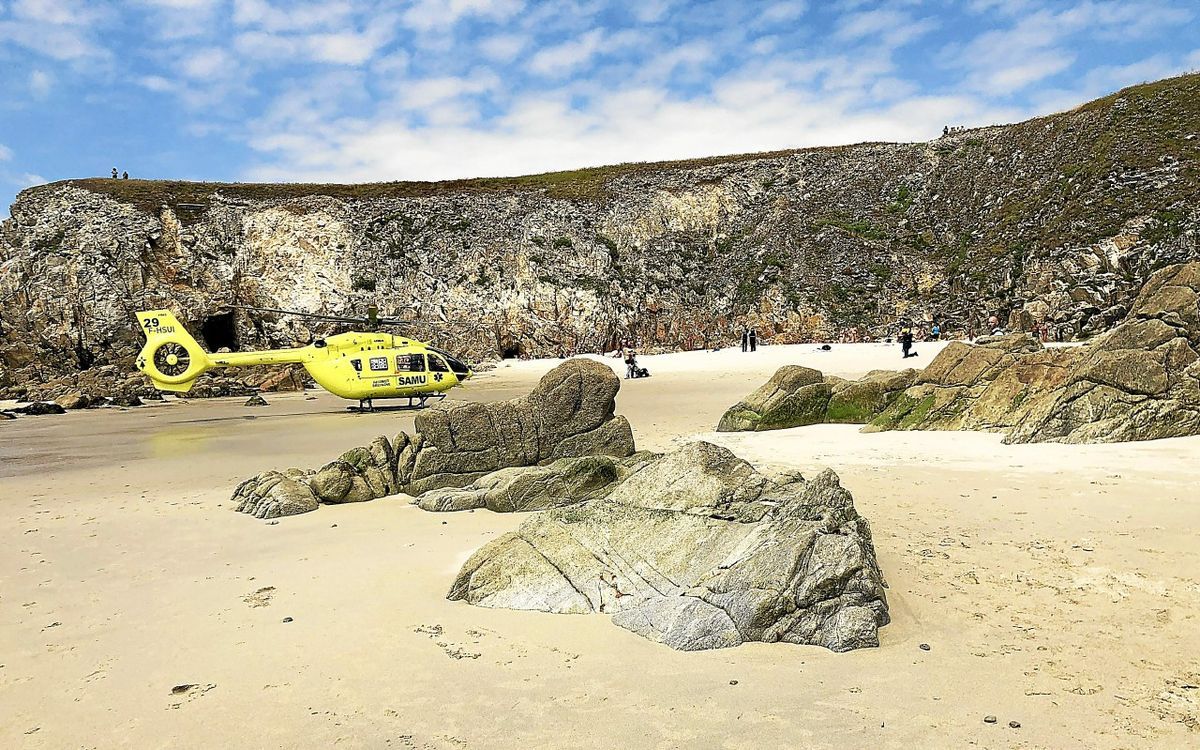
(1056, 586)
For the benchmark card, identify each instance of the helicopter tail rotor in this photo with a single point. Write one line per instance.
(171, 358)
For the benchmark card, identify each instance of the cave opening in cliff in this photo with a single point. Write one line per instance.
(219, 332)
(510, 348)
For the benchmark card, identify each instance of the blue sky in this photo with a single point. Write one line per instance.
(357, 90)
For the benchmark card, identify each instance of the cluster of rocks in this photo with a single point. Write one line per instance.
(571, 413)
(694, 549)
(1028, 222)
(75, 400)
(697, 550)
(114, 386)
(796, 396)
(1140, 381)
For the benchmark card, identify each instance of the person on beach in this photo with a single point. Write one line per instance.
(630, 363)
(935, 333)
(906, 342)
(745, 339)
(753, 339)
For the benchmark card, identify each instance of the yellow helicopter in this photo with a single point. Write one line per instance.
(355, 365)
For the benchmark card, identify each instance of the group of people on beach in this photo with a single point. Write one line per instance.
(749, 339)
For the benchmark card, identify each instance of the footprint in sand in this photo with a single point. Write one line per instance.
(261, 597)
(453, 650)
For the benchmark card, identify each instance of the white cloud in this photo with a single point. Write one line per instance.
(344, 47)
(561, 59)
(57, 12)
(6, 153)
(1020, 73)
(786, 10)
(885, 29)
(40, 83)
(59, 29)
(686, 56)
(157, 84)
(293, 16)
(503, 47)
(430, 15)
(546, 132)
(182, 4)
(650, 11)
(1036, 46)
(420, 94)
(212, 62)
(349, 48)
(1104, 80)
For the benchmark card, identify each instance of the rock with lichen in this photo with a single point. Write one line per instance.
(697, 550)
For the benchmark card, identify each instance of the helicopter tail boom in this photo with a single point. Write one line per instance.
(171, 358)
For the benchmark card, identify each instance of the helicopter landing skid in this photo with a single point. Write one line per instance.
(366, 406)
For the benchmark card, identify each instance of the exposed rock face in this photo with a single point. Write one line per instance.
(273, 494)
(1057, 220)
(697, 550)
(520, 489)
(796, 396)
(985, 386)
(569, 414)
(73, 400)
(859, 401)
(1140, 381)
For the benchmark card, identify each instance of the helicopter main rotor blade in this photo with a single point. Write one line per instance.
(315, 316)
(379, 321)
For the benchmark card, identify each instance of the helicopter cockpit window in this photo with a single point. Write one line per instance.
(410, 362)
(357, 364)
(455, 365)
(379, 364)
(437, 364)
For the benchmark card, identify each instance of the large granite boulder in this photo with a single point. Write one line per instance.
(697, 550)
(796, 396)
(569, 414)
(528, 488)
(988, 385)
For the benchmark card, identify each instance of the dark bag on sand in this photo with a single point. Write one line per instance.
(642, 372)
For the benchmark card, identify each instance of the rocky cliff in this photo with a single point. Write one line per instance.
(1056, 220)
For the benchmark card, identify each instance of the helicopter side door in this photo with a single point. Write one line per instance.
(374, 367)
(441, 376)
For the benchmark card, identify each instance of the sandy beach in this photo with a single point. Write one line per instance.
(1056, 586)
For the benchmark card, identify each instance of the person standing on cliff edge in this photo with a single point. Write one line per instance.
(745, 339)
